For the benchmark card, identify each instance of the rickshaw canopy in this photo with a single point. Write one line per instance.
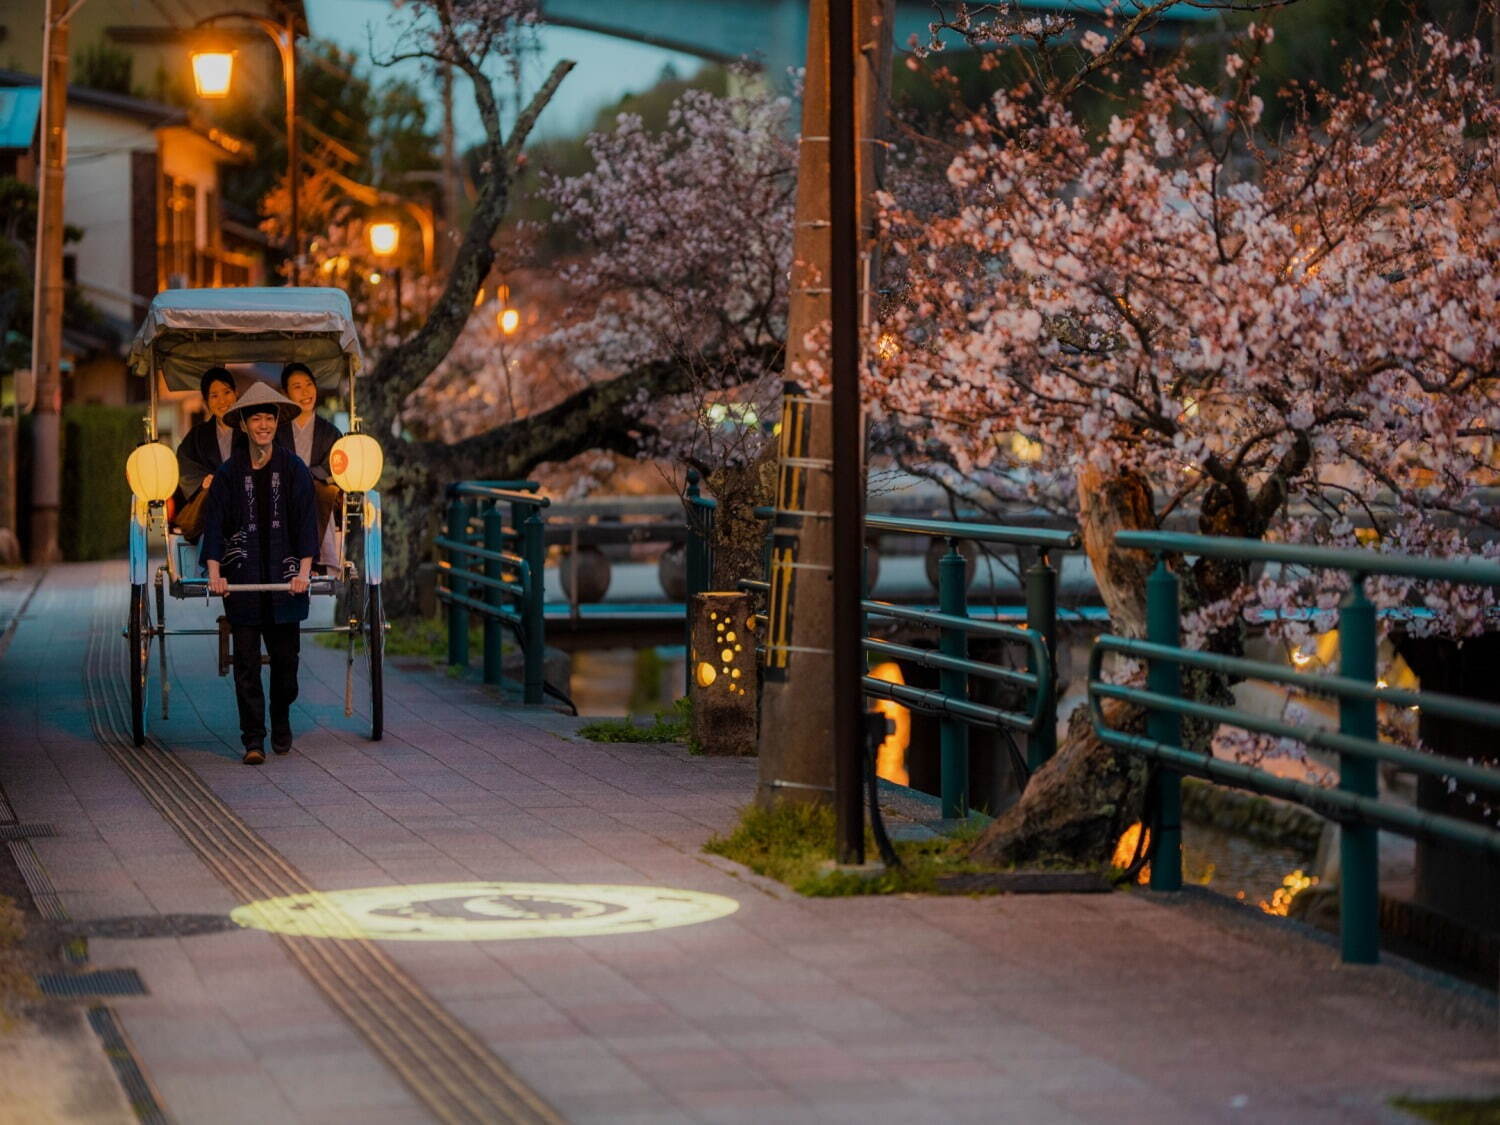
(189, 330)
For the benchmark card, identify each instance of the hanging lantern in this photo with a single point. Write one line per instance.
(356, 462)
(151, 470)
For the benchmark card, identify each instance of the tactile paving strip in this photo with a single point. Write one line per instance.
(100, 982)
(117, 1048)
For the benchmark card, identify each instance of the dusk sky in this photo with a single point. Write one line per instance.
(607, 68)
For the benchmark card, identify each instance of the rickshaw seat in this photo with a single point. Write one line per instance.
(182, 558)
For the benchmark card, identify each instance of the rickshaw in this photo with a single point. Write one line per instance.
(185, 332)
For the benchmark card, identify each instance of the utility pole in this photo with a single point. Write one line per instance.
(46, 325)
(797, 728)
(286, 42)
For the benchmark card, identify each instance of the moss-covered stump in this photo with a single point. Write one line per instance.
(1077, 805)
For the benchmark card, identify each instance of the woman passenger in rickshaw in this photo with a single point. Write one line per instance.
(206, 447)
(312, 438)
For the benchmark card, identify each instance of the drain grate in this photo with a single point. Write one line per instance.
(143, 1100)
(15, 831)
(100, 982)
(151, 926)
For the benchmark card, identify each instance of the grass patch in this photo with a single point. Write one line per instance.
(415, 636)
(794, 844)
(673, 724)
(1452, 1111)
(16, 984)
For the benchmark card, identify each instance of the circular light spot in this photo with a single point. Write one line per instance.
(734, 674)
(713, 616)
(727, 656)
(729, 636)
(739, 648)
(726, 669)
(482, 911)
(705, 674)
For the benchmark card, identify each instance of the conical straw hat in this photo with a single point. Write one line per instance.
(262, 395)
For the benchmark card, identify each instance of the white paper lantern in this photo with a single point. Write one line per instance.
(151, 470)
(356, 462)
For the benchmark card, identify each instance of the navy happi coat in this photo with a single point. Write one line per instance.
(251, 550)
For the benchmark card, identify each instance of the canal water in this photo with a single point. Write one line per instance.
(619, 682)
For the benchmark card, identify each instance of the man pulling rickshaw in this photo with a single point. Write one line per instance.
(260, 528)
(262, 535)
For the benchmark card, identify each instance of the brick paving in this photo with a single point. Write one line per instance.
(1116, 1008)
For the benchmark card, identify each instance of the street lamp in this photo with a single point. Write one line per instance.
(212, 72)
(213, 69)
(385, 240)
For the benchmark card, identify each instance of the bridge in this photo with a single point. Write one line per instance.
(769, 33)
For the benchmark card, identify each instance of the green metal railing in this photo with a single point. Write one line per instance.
(951, 701)
(698, 558)
(494, 568)
(1355, 803)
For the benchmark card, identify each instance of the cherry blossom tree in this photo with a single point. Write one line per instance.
(1170, 310)
(482, 40)
(687, 236)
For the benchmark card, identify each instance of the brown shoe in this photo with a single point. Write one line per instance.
(254, 756)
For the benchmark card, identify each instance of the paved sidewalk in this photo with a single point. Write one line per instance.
(1117, 1008)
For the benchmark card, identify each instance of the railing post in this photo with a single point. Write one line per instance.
(458, 615)
(534, 551)
(1359, 844)
(1163, 627)
(953, 598)
(1041, 616)
(697, 560)
(494, 633)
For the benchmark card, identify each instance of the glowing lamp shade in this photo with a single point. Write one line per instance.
(384, 238)
(356, 462)
(152, 471)
(508, 320)
(212, 72)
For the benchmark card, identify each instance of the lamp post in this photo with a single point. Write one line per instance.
(385, 241)
(213, 73)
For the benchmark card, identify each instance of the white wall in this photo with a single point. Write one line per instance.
(97, 198)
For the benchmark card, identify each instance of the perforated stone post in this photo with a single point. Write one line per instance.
(722, 672)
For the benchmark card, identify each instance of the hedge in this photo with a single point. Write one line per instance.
(95, 515)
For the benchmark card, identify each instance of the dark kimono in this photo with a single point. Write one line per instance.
(198, 457)
(325, 433)
(260, 540)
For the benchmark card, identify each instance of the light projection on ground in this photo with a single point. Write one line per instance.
(482, 911)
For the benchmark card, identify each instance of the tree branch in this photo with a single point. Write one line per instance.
(403, 368)
(605, 416)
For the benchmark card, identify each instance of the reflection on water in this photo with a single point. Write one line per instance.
(1238, 867)
(1261, 874)
(615, 682)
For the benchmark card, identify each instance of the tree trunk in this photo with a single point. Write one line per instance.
(412, 510)
(1077, 805)
(739, 537)
(1209, 581)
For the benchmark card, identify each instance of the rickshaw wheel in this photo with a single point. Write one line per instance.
(140, 655)
(375, 646)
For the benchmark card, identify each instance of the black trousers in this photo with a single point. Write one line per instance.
(283, 643)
